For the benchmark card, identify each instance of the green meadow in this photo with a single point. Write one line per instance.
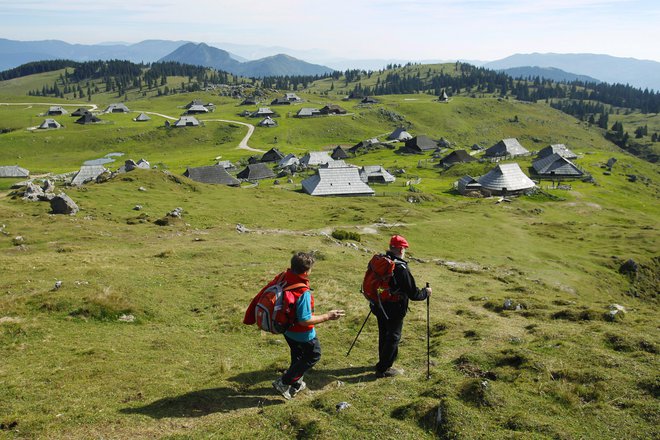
(144, 337)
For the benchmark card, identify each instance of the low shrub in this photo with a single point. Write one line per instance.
(341, 234)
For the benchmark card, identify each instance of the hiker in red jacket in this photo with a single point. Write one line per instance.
(390, 314)
(301, 337)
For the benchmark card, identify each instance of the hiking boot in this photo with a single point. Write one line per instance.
(390, 372)
(301, 385)
(282, 388)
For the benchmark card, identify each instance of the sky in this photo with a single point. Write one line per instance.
(356, 29)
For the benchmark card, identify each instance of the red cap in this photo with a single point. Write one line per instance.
(398, 241)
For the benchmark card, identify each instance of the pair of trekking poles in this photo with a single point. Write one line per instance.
(428, 336)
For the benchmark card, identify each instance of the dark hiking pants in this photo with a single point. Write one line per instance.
(389, 332)
(304, 355)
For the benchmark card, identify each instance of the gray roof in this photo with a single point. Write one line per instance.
(49, 123)
(339, 153)
(421, 143)
(215, 174)
(87, 173)
(267, 122)
(399, 135)
(87, 118)
(288, 160)
(13, 171)
(507, 176)
(272, 155)
(142, 117)
(226, 165)
(315, 158)
(186, 121)
(308, 111)
(197, 108)
(292, 97)
(256, 171)
(263, 111)
(506, 147)
(117, 108)
(457, 156)
(336, 181)
(467, 183)
(560, 149)
(556, 165)
(57, 110)
(376, 174)
(80, 111)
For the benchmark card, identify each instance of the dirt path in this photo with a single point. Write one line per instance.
(30, 104)
(244, 142)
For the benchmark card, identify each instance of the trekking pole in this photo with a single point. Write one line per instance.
(428, 337)
(358, 335)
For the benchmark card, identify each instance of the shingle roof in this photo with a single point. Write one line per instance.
(507, 176)
(214, 174)
(560, 149)
(142, 117)
(339, 153)
(272, 155)
(457, 156)
(256, 171)
(87, 118)
(57, 110)
(288, 160)
(13, 171)
(117, 108)
(80, 111)
(556, 165)
(506, 147)
(308, 111)
(186, 121)
(49, 123)
(467, 183)
(315, 158)
(344, 181)
(421, 143)
(267, 122)
(87, 173)
(376, 173)
(399, 135)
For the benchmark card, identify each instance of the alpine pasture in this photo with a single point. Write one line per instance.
(143, 339)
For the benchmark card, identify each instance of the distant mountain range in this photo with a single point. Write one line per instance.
(272, 61)
(278, 65)
(550, 73)
(637, 73)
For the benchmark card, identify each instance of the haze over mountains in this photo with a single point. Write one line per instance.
(275, 61)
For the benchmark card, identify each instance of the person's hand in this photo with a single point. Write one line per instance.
(335, 314)
(428, 291)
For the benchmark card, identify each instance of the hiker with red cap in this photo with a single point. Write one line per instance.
(389, 285)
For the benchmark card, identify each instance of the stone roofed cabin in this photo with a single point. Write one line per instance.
(186, 121)
(87, 118)
(267, 122)
(262, 112)
(214, 174)
(56, 110)
(468, 184)
(196, 109)
(117, 108)
(250, 100)
(458, 156)
(308, 112)
(443, 97)
(338, 153)
(375, 174)
(506, 148)
(280, 101)
(332, 109)
(13, 171)
(315, 158)
(288, 161)
(336, 181)
(506, 178)
(292, 97)
(560, 149)
(142, 117)
(272, 155)
(556, 166)
(49, 123)
(420, 144)
(256, 171)
(80, 111)
(399, 134)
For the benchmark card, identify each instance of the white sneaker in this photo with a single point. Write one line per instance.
(294, 391)
(282, 388)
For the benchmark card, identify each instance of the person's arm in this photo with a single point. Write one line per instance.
(332, 315)
(405, 283)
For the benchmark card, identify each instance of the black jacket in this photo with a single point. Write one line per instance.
(403, 282)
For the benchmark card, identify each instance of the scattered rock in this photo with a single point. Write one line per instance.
(508, 304)
(241, 229)
(48, 186)
(176, 213)
(58, 284)
(137, 208)
(342, 406)
(32, 192)
(63, 204)
(18, 240)
(142, 188)
(130, 165)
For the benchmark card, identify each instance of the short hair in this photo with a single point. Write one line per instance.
(301, 262)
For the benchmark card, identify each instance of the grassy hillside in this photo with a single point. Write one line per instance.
(187, 368)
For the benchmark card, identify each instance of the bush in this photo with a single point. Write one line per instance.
(340, 234)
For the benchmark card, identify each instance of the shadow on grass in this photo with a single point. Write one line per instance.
(203, 402)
